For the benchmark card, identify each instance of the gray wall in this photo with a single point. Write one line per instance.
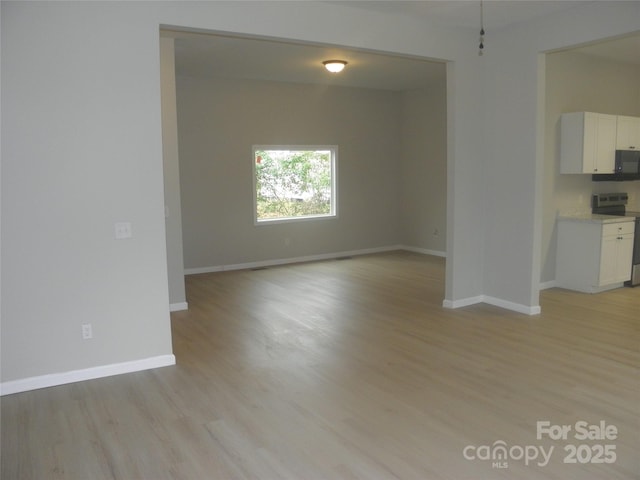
(171, 168)
(576, 82)
(423, 187)
(512, 120)
(219, 120)
(81, 150)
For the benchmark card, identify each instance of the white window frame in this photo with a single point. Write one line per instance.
(334, 184)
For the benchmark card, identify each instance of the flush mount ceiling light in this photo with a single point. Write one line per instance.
(334, 66)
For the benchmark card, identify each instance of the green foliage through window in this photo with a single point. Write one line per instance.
(294, 183)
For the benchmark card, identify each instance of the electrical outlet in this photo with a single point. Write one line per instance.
(436, 232)
(123, 230)
(87, 331)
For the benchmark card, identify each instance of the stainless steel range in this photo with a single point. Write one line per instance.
(616, 204)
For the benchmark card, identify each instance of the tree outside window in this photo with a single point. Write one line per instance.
(294, 182)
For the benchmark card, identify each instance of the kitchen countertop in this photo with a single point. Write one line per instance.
(594, 218)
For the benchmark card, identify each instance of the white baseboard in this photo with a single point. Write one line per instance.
(177, 307)
(309, 258)
(424, 251)
(498, 302)
(195, 271)
(285, 261)
(516, 307)
(54, 379)
(465, 302)
(548, 285)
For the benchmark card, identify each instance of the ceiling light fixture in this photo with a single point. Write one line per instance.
(334, 66)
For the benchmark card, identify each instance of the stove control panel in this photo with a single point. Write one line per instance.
(609, 199)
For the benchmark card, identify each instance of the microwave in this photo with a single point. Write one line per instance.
(627, 168)
(628, 161)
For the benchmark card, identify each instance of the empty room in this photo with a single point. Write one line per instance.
(221, 259)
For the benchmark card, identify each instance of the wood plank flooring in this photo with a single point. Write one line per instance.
(347, 370)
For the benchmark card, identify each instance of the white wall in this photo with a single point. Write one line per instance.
(576, 82)
(82, 149)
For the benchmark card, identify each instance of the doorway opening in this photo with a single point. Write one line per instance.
(386, 113)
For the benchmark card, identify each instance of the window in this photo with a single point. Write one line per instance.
(294, 183)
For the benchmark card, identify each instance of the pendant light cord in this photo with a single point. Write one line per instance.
(481, 46)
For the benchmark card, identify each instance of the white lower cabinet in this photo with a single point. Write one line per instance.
(616, 253)
(592, 255)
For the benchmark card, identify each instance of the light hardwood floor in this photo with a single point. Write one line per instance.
(347, 370)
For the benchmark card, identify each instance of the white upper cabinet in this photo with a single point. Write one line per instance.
(628, 133)
(587, 142)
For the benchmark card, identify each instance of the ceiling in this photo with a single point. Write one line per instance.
(245, 58)
(253, 58)
(466, 13)
(623, 50)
